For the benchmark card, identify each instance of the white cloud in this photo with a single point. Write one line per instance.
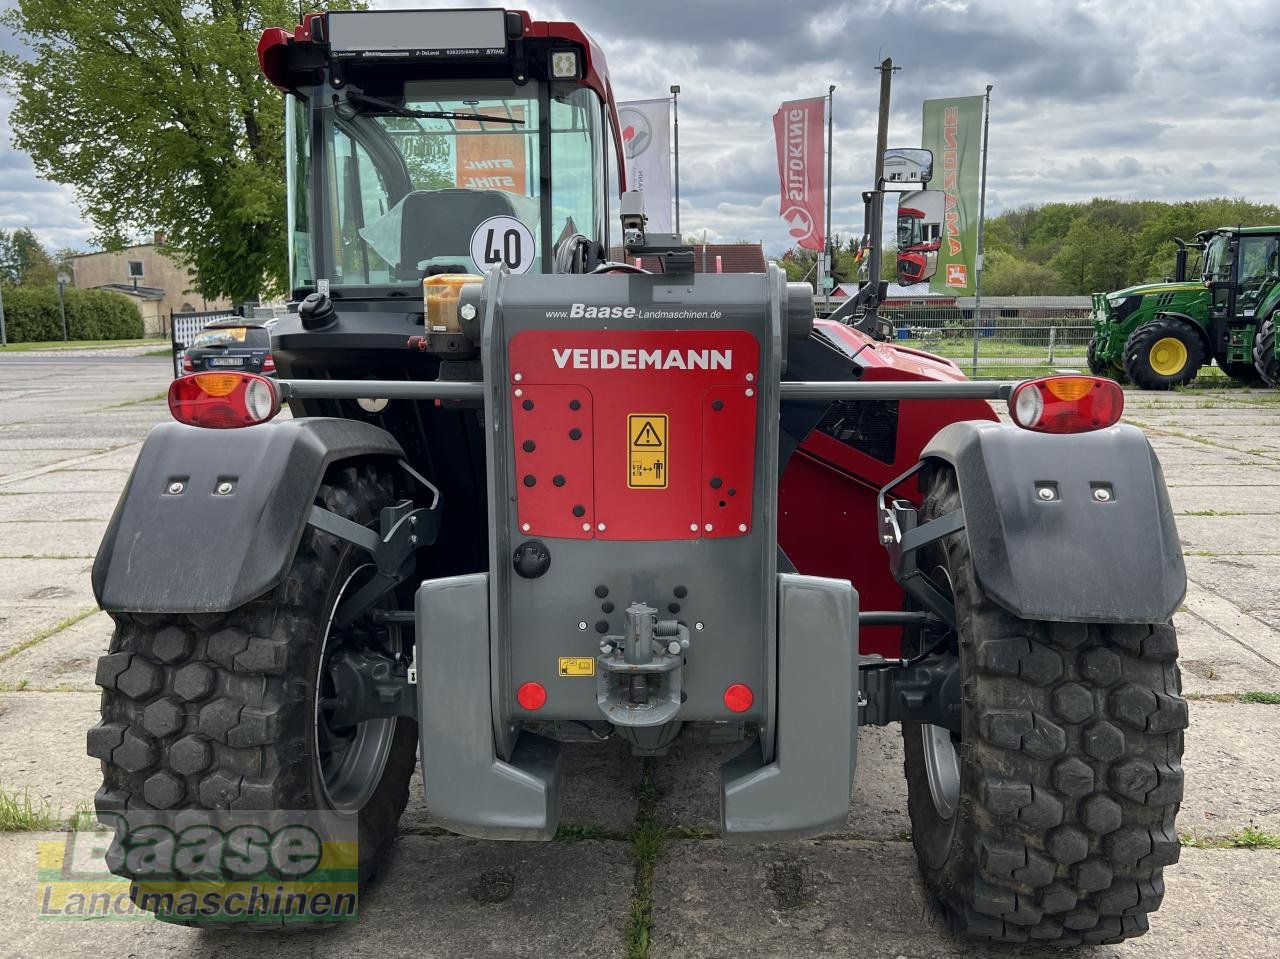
(1168, 99)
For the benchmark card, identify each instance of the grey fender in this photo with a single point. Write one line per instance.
(195, 550)
(1081, 556)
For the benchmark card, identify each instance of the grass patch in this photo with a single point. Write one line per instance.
(1250, 837)
(585, 833)
(84, 818)
(24, 686)
(1212, 512)
(145, 399)
(46, 633)
(1252, 697)
(648, 840)
(20, 813)
(1260, 698)
(76, 345)
(46, 556)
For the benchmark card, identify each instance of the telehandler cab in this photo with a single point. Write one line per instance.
(573, 499)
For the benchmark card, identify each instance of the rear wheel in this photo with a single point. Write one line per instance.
(1050, 816)
(228, 712)
(1163, 354)
(1265, 359)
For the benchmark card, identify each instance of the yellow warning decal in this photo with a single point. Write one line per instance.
(647, 450)
(577, 666)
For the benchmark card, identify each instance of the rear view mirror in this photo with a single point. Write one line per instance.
(907, 169)
(920, 217)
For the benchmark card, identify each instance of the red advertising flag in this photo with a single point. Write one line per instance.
(797, 130)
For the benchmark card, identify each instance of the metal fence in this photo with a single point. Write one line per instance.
(1008, 337)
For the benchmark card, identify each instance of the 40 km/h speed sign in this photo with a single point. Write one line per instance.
(502, 240)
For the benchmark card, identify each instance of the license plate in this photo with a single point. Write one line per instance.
(226, 361)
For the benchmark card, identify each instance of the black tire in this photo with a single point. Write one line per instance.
(1138, 359)
(1100, 367)
(1265, 360)
(218, 711)
(1069, 767)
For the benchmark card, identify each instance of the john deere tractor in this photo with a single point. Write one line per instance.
(1159, 335)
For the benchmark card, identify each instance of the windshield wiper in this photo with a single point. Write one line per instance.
(400, 111)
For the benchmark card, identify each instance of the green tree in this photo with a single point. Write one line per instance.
(1006, 274)
(23, 260)
(157, 115)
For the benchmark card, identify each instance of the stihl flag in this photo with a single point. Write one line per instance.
(797, 129)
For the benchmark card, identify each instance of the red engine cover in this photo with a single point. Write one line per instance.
(634, 435)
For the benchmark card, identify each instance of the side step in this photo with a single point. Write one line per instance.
(805, 790)
(470, 790)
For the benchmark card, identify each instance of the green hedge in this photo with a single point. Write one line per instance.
(31, 315)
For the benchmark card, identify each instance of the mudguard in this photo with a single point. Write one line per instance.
(1081, 556)
(175, 544)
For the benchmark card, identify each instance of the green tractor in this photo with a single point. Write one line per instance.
(1158, 335)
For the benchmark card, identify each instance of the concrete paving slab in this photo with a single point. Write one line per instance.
(17, 461)
(1231, 606)
(600, 789)
(124, 457)
(1232, 766)
(42, 747)
(437, 898)
(1178, 453)
(45, 582)
(50, 539)
(1253, 500)
(1224, 535)
(19, 507)
(21, 623)
(65, 660)
(72, 481)
(1214, 662)
(688, 783)
(1227, 474)
(865, 900)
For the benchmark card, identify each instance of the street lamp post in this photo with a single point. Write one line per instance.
(675, 107)
(63, 280)
(4, 341)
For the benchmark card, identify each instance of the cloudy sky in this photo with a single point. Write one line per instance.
(1162, 99)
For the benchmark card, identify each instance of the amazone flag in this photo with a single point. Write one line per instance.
(953, 131)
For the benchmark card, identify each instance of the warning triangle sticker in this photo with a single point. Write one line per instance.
(647, 436)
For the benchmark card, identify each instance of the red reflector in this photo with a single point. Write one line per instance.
(223, 400)
(269, 363)
(187, 364)
(738, 698)
(531, 696)
(1067, 404)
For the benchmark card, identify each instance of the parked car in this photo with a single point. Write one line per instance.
(230, 344)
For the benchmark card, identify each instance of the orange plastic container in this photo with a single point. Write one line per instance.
(441, 295)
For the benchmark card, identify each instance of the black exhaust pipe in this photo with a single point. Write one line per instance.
(1180, 261)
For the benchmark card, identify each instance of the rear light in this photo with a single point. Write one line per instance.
(531, 696)
(738, 698)
(1067, 404)
(223, 400)
(269, 364)
(187, 364)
